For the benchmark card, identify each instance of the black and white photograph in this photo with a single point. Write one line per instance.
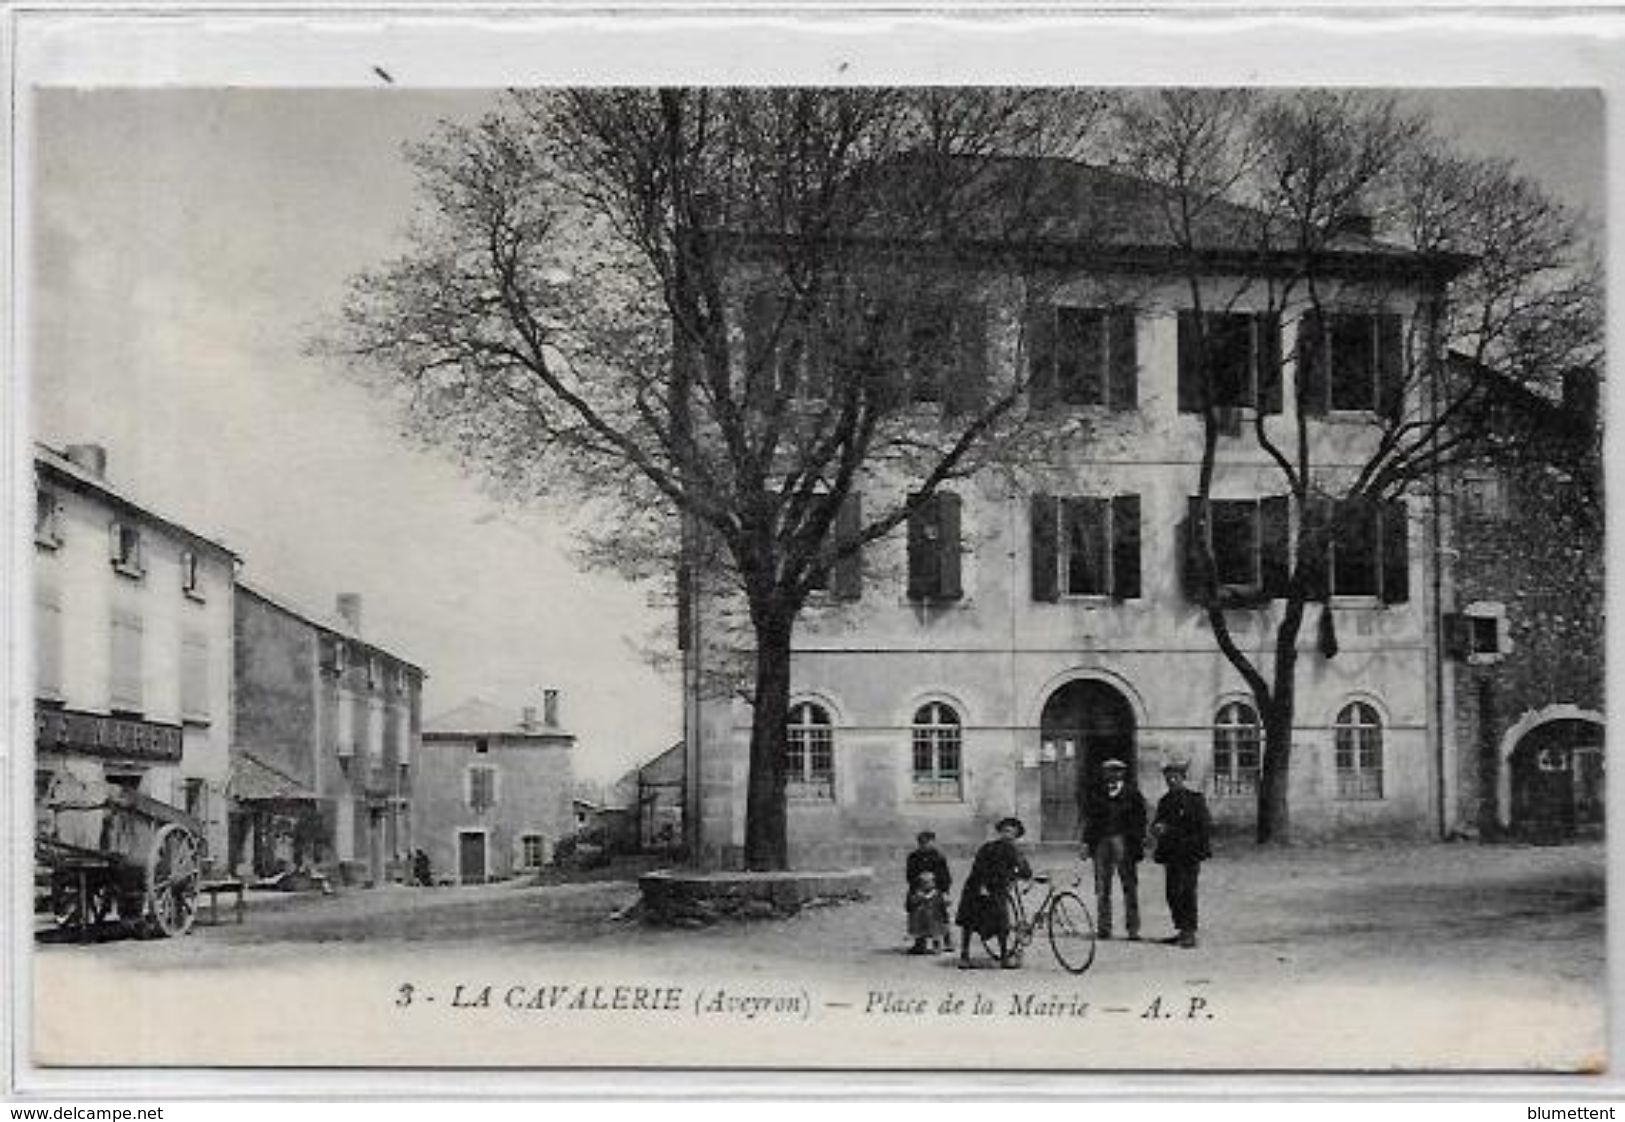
(824, 574)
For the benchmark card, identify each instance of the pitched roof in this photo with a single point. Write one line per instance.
(58, 464)
(478, 717)
(330, 623)
(1063, 205)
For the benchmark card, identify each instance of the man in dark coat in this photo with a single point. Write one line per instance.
(1182, 829)
(926, 858)
(1114, 839)
(983, 908)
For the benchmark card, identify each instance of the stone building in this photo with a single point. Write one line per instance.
(327, 728)
(654, 791)
(1025, 626)
(493, 790)
(1525, 642)
(132, 642)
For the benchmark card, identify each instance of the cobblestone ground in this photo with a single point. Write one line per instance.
(1398, 956)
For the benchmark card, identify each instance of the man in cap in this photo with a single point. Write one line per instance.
(1113, 838)
(1182, 828)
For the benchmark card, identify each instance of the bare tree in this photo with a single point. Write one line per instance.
(1270, 202)
(715, 310)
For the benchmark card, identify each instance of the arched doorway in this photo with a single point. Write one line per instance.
(1557, 780)
(1084, 723)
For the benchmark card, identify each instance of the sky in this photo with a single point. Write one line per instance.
(186, 246)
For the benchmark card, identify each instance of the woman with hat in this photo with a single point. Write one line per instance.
(983, 908)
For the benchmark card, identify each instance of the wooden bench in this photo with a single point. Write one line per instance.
(213, 888)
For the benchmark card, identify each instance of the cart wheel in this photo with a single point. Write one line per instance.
(172, 880)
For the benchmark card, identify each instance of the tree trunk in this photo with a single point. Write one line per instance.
(1275, 775)
(766, 827)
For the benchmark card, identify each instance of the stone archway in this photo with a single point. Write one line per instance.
(1084, 723)
(1552, 774)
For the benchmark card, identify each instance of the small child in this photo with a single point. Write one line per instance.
(927, 916)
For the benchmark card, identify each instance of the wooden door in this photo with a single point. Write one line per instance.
(471, 857)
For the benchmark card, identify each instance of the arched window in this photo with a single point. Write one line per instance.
(1358, 743)
(937, 755)
(810, 754)
(1236, 750)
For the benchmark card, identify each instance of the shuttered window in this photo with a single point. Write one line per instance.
(1351, 362)
(1229, 360)
(1085, 546)
(47, 643)
(124, 686)
(1358, 547)
(195, 676)
(1083, 356)
(1249, 546)
(481, 787)
(933, 548)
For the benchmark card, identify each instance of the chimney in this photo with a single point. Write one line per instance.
(349, 608)
(527, 718)
(550, 708)
(91, 457)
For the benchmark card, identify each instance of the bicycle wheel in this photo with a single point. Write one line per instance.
(1071, 932)
(1020, 932)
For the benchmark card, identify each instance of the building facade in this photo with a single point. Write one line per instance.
(1030, 623)
(654, 790)
(1525, 639)
(493, 790)
(133, 634)
(328, 726)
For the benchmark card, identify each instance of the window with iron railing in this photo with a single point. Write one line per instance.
(810, 754)
(938, 754)
(1358, 749)
(1236, 740)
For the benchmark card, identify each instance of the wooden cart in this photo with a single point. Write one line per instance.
(111, 850)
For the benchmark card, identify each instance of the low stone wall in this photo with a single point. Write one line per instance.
(674, 897)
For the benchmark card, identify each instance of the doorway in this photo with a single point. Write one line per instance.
(471, 867)
(1084, 724)
(1557, 781)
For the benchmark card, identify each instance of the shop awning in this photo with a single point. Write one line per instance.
(254, 780)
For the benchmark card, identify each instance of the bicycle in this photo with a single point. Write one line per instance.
(1064, 915)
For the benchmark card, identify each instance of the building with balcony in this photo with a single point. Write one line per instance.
(133, 634)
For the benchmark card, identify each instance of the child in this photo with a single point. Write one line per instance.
(927, 916)
(925, 858)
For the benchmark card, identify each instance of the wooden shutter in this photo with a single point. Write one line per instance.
(885, 352)
(848, 575)
(125, 680)
(924, 560)
(1192, 543)
(1044, 519)
(1314, 547)
(761, 315)
(1313, 383)
(948, 521)
(1190, 364)
(1125, 529)
(1390, 368)
(47, 643)
(1123, 391)
(195, 674)
(1268, 355)
(966, 391)
(1458, 636)
(1396, 553)
(1274, 564)
(1041, 388)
